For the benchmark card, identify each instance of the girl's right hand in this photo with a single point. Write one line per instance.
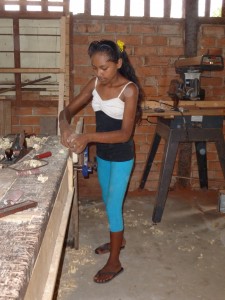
(66, 132)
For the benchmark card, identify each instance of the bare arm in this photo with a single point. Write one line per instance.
(70, 110)
(118, 136)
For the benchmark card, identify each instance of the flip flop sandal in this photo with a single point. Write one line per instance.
(105, 248)
(111, 274)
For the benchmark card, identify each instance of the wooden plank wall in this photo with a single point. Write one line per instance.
(5, 117)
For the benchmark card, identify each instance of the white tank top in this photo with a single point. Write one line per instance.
(114, 107)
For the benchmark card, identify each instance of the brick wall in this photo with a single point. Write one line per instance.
(153, 47)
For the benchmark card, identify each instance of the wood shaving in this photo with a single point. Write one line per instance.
(186, 249)
(35, 141)
(33, 163)
(5, 143)
(42, 178)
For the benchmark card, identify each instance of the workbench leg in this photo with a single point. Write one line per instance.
(220, 146)
(72, 240)
(150, 159)
(165, 178)
(201, 155)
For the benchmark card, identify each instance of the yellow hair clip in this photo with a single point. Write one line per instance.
(120, 45)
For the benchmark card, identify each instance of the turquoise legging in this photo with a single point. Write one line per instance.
(113, 178)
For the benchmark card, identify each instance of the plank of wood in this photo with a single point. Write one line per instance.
(41, 285)
(183, 103)
(192, 112)
(12, 209)
(62, 65)
(32, 70)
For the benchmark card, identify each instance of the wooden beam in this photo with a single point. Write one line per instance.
(71, 60)
(191, 45)
(44, 4)
(31, 15)
(32, 70)
(16, 41)
(87, 7)
(183, 103)
(62, 64)
(167, 8)
(207, 8)
(107, 8)
(191, 28)
(223, 9)
(147, 9)
(127, 8)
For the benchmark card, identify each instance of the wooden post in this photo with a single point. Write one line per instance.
(191, 33)
(167, 8)
(62, 65)
(127, 8)
(223, 9)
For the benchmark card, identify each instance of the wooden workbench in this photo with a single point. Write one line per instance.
(187, 108)
(31, 240)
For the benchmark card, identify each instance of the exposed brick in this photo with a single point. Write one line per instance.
(174, 29)
(213, 30)
(143, 28)
(155, 40)
(22, 111)
(208, 42)
(118, 28)
(45, 111)
(32, 120)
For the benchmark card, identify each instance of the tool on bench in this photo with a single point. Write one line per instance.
(17, 151)
(30, 167)
(86, 167)
(43, 155)
(12, 209)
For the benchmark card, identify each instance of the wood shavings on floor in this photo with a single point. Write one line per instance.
(75, 259)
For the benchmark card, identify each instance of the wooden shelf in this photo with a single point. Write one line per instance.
(32, 70)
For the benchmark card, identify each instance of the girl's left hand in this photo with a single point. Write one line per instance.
(77, 142)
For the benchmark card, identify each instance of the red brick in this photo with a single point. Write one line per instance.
(118, 28)
(143, 28)
(45, 111)
(29, 120)
(155, 40)
(213, 30)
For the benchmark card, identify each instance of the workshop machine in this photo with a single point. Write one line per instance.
(190, 70)
(189, 88)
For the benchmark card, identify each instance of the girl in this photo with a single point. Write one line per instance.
(116, 95)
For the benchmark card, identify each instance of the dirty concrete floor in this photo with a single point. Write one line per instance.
(180, 258)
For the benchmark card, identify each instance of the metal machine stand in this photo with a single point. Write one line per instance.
(175, 131)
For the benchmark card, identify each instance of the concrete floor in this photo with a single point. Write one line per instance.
(180, 258)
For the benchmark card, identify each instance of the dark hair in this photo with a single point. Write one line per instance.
(114, 53)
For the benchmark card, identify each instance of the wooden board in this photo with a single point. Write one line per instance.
(5, 117)
(188, 108)
(42, 282)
